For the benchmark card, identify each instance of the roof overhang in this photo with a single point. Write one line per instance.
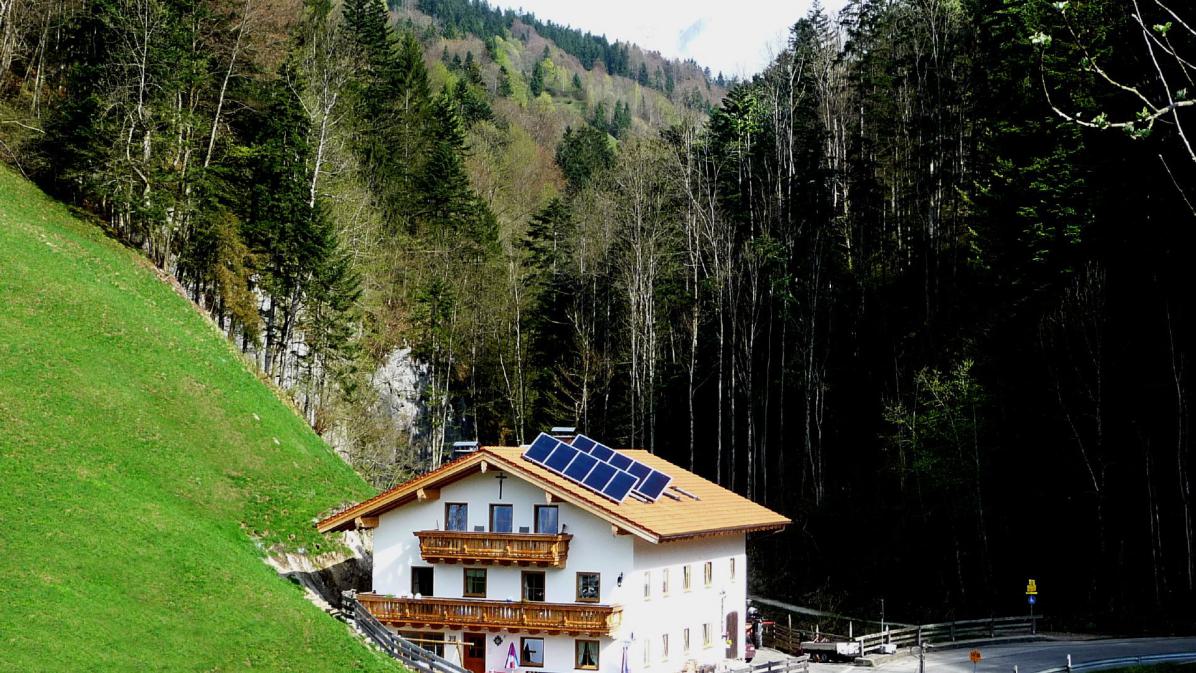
(365, 513)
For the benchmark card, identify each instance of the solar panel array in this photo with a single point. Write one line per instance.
(597, 467)
(650, 483)
(580, 467)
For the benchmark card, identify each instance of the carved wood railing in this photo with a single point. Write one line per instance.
(486, 548)
(528, 616)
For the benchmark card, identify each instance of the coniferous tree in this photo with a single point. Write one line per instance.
(537, 80)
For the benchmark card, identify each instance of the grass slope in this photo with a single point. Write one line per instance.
(133, 473)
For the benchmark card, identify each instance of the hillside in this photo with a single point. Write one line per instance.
(139, 460)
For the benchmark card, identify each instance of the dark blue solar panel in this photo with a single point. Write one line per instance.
(620, 461)
(640, 471)
(602, 452)
(580, 467)
(583, 443)
(560, 457)
(600, 476)
(654, 485)
(540, 448)
(619, 486)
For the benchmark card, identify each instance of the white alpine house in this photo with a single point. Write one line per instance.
(503, 558)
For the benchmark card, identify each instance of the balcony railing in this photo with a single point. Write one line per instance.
(489, 548)
(476, 614)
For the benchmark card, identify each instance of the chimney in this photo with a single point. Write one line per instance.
(563, 433)
(464, 448)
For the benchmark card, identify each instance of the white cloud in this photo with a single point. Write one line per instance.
(736, 37)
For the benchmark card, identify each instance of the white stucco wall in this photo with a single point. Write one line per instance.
(594, 548)
(658, 614)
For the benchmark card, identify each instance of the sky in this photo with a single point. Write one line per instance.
(737, 37)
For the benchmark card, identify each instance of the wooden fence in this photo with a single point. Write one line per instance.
(790, 665)
(947, 632)
(795, 640)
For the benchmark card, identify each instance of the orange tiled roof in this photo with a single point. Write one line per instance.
(716, 511)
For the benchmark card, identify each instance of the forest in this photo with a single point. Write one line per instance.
(919, 284)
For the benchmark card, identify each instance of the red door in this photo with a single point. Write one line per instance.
(474, 656)
(732, 635)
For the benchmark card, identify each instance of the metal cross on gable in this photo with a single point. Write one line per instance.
(501, 478)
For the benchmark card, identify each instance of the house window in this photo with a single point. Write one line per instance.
(664, 647)
(547, 519)
(586, 654)
(475, 583)
(647, 584)
(664, 582)
(732, 567)
(685, 640)
(533, 586)
(456, 516)
(588, 587)
(432, 642)
(686, 583)
(421, 581)
(500, 518)
(708, 573)
(707, 635)
(532, 650)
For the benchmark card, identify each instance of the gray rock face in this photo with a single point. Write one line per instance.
(326, 576)
(401, 382)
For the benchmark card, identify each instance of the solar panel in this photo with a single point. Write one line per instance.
(580, 467)
(600, 476)
(560, 457)
(654, 484)
(598, 467)
(602, 452)
(619, 486)
(640, 471)
(649, 482)
(620, 461)
(540, 448)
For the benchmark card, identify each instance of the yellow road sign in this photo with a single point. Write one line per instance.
(1031, 588)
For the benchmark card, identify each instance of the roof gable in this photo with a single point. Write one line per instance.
(715, 510)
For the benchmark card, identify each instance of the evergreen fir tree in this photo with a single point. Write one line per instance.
(504, 82)
(537, 81)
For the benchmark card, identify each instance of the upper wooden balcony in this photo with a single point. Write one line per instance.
(478, 548)
(485, 615)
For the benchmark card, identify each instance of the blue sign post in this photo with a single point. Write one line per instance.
(1031, 598)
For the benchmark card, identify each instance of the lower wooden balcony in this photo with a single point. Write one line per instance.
(481, 548)
(484, 615)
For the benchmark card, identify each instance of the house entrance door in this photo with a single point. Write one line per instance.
(733, 635)
(474, 656)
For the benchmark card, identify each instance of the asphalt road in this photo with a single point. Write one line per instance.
(1028, 657)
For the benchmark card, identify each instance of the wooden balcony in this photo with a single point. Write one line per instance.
(483, 615)
(478, 548)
